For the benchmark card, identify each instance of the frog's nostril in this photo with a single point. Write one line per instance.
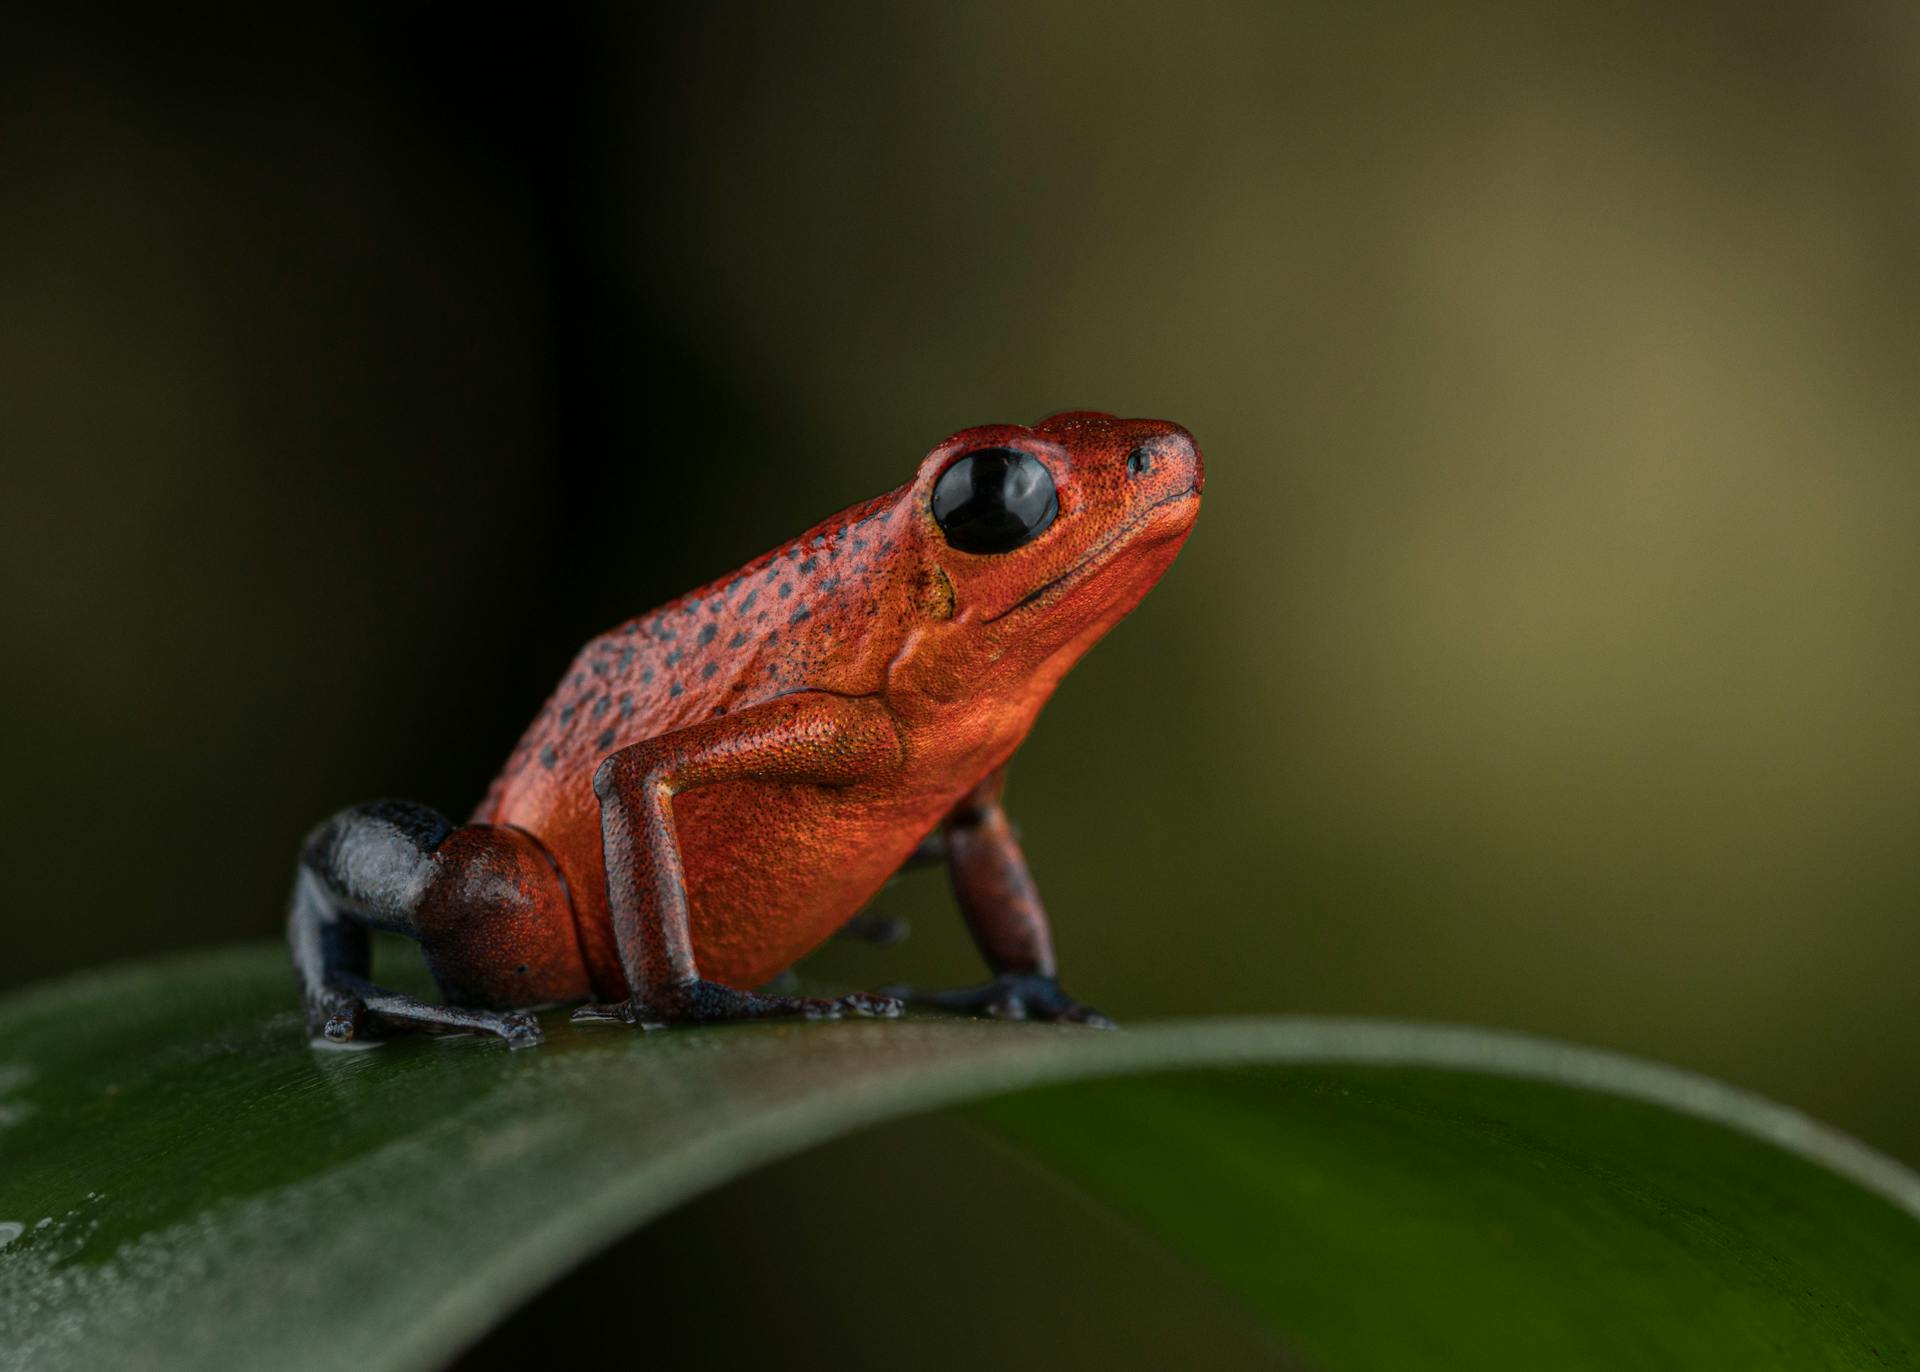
(1168, 458)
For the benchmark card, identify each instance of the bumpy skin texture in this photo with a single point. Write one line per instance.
(722, 783)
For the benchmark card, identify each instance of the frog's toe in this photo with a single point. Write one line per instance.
(1041, 998)
(1077, 1013)
(615, 1012)
(337, 1019)
(868, 1005)
(520, 1030)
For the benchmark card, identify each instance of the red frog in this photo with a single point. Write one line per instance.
(718, 786)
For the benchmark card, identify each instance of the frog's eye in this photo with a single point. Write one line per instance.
(994, 499)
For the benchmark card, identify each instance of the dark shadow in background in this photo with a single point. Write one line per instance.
(324, 380)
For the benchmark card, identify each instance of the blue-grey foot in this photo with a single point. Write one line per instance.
(710, 1002)
(1011, 995)
(359, 1011)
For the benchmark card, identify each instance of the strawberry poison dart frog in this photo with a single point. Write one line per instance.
(718, 786)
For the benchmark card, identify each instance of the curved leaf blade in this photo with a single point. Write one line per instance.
(1396, 1217)
(195, 1185)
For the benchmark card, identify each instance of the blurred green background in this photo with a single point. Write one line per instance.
(1546, 653)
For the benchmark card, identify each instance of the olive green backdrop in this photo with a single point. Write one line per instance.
(1546, 653)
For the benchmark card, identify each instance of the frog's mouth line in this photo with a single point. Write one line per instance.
(1100, 554)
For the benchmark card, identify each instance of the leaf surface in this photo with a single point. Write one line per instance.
(185, 1182)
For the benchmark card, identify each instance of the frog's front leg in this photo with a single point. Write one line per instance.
(1003, 912)
(810, 737)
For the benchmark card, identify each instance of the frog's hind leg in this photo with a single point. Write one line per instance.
(485, 902)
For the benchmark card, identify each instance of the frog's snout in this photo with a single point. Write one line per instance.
(1168, 465)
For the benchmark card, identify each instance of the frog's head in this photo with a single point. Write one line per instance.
(1038, 540)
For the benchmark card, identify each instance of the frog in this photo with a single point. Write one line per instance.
(718, 786)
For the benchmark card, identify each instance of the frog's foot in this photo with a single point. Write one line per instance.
(708, 1002)
(1011, 995)
(363, 1013)
(882, 931)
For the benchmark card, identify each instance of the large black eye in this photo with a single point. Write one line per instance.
(994, 499)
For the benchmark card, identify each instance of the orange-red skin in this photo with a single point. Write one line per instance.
(872, 605)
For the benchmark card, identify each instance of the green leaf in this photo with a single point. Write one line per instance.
(1393, 1217)
(194, 1185)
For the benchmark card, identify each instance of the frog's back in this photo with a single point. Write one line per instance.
(792, 619)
